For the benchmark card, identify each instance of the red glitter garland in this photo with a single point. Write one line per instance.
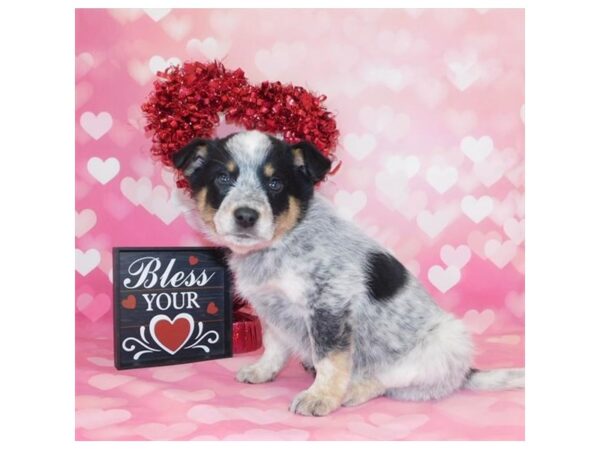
(188, 101)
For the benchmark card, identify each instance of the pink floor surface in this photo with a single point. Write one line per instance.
(202, 401)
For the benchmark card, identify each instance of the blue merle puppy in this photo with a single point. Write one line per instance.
(324, 290)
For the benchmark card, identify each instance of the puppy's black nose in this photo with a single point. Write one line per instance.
(245, 217)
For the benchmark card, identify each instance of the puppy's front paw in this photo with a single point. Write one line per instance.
(254, 374)
(309, 403)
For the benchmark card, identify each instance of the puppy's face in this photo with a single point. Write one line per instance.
(250, 188)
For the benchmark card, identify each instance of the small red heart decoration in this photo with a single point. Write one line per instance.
(171, 335)
(130, 302)
(212, 309)
(193, 260)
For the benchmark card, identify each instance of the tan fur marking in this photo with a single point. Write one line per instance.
(230, 166)
(333, 375)
(207, 212)
(298, 157)
(289, 219)
(327, 392)
(202, 150)
(361, 391)
(269, 170)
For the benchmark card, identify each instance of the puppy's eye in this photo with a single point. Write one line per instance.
(224, 179)
(275, 185)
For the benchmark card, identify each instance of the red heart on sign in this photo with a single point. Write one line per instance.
(171, 335)
(193, 260)
(212, 308)
(130, 302)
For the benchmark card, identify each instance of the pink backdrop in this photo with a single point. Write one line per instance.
(430, 107)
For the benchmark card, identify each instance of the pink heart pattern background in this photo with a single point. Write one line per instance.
(430, 107)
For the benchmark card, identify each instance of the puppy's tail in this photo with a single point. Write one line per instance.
(495, 380)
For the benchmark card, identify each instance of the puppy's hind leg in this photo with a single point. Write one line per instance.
(270, 363)
(435, 368)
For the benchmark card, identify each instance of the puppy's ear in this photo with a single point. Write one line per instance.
(310, 161)
(191, 157)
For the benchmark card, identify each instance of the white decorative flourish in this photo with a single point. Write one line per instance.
(132, 346)
(200, 337)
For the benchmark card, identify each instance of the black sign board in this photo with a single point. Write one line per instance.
(171, 306)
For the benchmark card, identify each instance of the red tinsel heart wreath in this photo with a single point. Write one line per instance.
(188, 100)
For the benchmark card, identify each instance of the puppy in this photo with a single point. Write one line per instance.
(324, 290)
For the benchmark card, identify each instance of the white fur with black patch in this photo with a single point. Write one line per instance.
(249, 151)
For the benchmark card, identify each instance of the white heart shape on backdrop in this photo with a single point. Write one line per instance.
(124, 15)
(348, 204)
(515, 302)
(442, 178)
(279, 58)
(376, 120)
(430, 90)
(108, 381)
(83, 92)
(387, 427)
(391, 188)
(515, 230)
(408, 165)
(103, 171)
(433, 223)
(504, 210)
(224, 21)
(136, 191)
(391, 77)
(398, 128)
(83, 63)
(139, 71)
(172, 373)
(462, 69)
(477, 322)
(164, 206)
(500, 253)
(84, 221)
(177, 28)
(477, 240)
(157, 13)
(86, 261)
(467, 182)
(461, 122)
(96, 125)
(93, 307)
(359, 146)
(154, 431)
(397, 42)
(189, 396)
(477, 149)
(443, 279)
(516, 175)
(489, 171)
(169, 210)
(158, 64)
(209, 48)
(93, 418)
(413, 204)
(477, 209)
(210, 414)
(457, 257)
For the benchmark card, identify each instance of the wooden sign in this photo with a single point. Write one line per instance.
(171, 306)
